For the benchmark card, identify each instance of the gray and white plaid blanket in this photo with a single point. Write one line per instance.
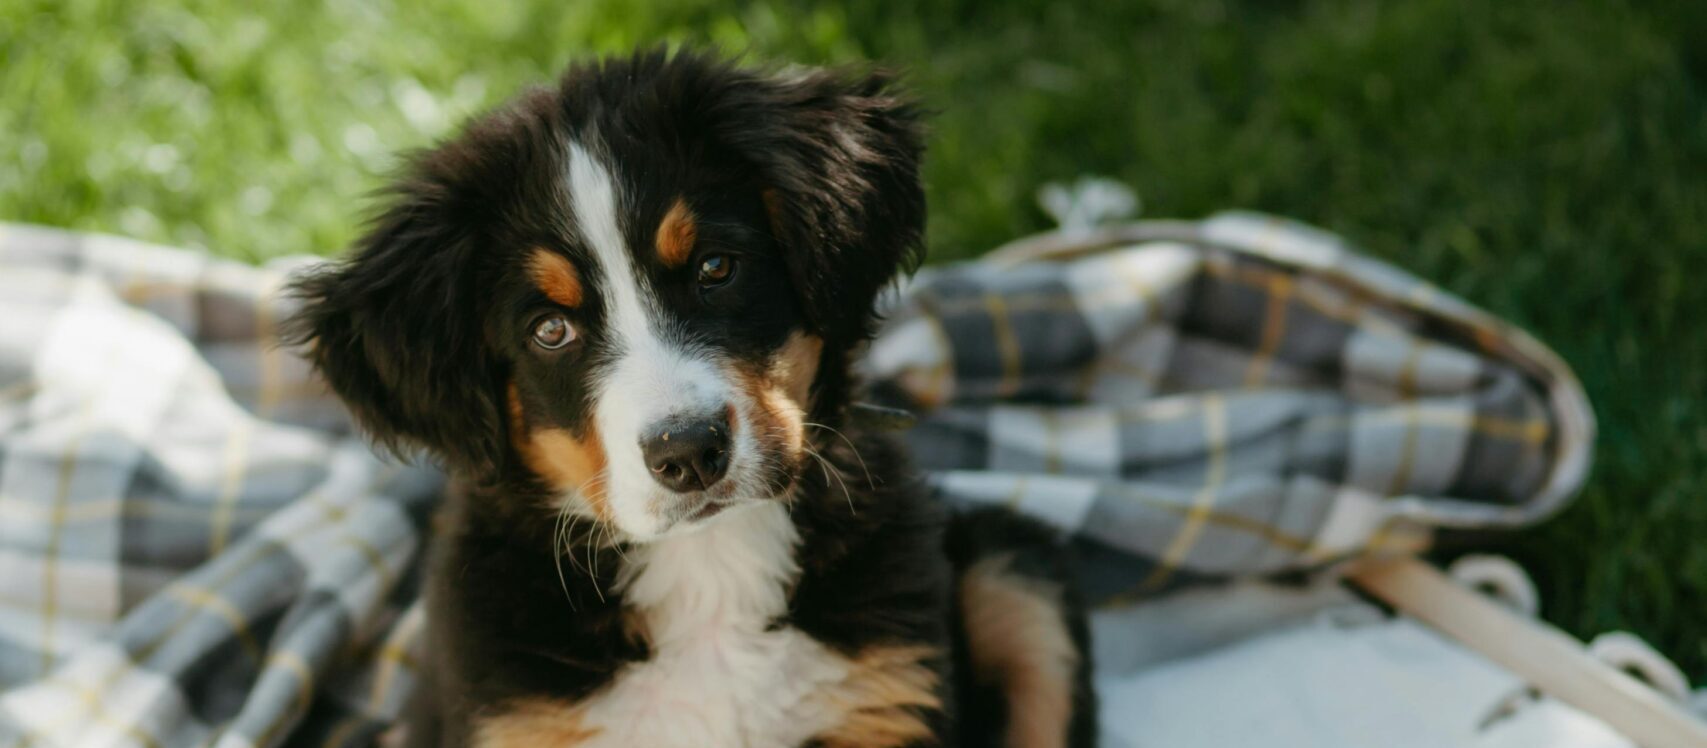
(195, 549)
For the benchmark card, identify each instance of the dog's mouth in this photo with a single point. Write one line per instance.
(750, 482)
(707, 509)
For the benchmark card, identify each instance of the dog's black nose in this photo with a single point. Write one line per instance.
(688, 454)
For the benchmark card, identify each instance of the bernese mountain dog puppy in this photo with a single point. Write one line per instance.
(622, 312)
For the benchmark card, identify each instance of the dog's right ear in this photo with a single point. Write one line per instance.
(394, 331)
(837, 152)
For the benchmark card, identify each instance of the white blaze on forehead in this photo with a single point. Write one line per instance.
(652, 376)
(593, 196)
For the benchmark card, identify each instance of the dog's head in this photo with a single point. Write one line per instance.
(635, 290)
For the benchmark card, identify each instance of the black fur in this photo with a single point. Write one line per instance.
(812, 178)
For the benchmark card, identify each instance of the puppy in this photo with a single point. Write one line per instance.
(622, 312)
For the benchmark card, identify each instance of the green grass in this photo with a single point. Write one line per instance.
(1545, 160)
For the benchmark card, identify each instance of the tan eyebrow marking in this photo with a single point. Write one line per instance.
(555, 276)
(676, 234)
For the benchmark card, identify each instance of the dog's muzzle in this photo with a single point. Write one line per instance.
(688, 454)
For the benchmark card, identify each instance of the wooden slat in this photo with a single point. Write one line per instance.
(1549, 660)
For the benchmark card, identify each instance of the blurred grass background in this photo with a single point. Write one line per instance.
(1545, 160)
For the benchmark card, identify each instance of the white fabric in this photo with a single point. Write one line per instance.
(1324, 672)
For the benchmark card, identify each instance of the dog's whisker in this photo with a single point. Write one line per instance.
(590, 569)
(559, 548)
(825, 464)
(593, 561)
(852, 448)
(616, 544)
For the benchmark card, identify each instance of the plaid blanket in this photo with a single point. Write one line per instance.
(195, 549)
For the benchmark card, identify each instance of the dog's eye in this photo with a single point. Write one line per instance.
(716, 270)
(553, 332)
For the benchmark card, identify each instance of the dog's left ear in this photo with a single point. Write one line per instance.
(390, 329)
(838, 153)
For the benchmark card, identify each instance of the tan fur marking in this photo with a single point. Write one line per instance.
(556, 277)
(776, 423)
(885, 699)
(531, 723)
(1019, 641)
(676, 234)
(796, 367)
(780, 394)
(567, 462)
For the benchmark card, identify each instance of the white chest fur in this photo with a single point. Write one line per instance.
(717, 677)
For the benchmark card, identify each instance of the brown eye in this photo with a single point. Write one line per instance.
(716, 270)
(553, 332)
